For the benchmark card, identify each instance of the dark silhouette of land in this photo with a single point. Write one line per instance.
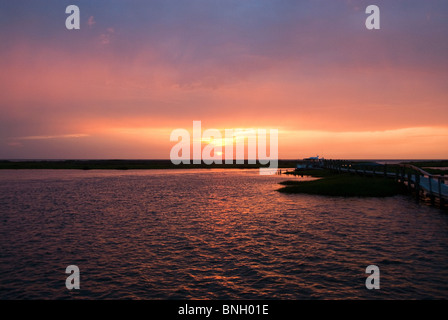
(370, 179)
(343, 185)
(126, 164)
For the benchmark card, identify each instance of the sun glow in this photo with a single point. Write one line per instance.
(219, 142)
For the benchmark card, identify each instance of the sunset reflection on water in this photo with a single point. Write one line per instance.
(210, 234)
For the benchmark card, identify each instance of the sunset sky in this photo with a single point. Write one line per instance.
(137, 70)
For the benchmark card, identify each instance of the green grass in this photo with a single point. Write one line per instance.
(345, 185)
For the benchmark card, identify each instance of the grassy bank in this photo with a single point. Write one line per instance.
(432, 163)
(344, 185)
(429, 165)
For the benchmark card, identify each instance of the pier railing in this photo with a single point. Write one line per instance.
(417, 180)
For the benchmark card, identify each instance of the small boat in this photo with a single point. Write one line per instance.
(309, 163)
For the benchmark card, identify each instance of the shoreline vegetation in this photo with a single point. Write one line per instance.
(342, 185)
(118, 164)
(332, 183)
(127, 165)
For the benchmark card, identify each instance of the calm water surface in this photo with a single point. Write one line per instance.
(210, 234)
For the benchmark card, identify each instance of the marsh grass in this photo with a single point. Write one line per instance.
(345, 185)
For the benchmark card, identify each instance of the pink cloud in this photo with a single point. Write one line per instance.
(91, 22)
(106, 37)
(15, 144)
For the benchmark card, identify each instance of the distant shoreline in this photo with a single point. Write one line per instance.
(167, 164)
(126, 165)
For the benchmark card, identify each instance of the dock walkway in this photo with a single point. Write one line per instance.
(416, 179)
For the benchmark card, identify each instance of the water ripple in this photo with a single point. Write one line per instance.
(210, 234)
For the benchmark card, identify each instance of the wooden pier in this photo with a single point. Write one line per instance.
(422, 184)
